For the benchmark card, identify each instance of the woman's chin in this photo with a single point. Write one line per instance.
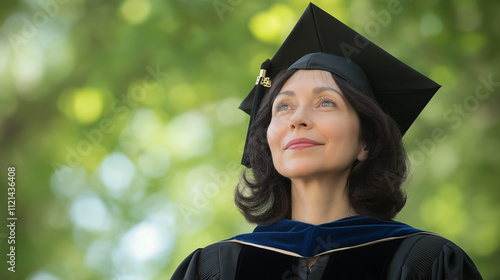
(311, 168)
(300, 170)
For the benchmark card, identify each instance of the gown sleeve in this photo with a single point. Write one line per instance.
(217, 261)
(431, 257)
(453, 263)
(187, 269)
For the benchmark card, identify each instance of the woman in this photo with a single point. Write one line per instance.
(327, 163)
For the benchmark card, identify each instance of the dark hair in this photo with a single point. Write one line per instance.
(374, 184)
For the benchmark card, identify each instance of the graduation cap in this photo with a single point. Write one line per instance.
(320, 41)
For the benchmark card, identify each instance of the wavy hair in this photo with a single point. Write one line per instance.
(374, 184)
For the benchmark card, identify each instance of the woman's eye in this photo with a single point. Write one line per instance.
(327, 103)
(282, 106)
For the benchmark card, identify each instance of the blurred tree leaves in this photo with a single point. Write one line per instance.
(121, 119)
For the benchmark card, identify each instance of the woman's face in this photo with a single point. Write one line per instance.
(314, 131)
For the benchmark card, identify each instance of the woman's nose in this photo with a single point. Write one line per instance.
(300, 118)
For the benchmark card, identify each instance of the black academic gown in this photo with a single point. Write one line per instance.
(418, 255)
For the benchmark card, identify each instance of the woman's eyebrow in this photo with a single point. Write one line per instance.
(286, 92)
(318, 90)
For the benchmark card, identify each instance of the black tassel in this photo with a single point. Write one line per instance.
(260, 90)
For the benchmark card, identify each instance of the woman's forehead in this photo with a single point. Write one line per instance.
(310, 78)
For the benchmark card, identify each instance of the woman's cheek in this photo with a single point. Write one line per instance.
(277, 126)
(274, 137)
(270, 136)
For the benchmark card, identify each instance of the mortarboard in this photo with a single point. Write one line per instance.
(401, 91)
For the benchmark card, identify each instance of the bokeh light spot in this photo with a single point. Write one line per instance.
(430, 24)
(116, 172)
(147, 243)
(270, 26)
(144, 241)
(135, 11)
(89, 212)
(87, 104)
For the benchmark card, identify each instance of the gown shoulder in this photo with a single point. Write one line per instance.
(425, 256)
(216, 261)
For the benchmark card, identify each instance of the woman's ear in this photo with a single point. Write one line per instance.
(363, 153)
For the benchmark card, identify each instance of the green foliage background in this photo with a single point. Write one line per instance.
(121, 173)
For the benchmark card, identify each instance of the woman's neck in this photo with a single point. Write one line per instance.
(320, 201)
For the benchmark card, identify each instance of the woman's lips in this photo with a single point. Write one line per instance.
(301, 143)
